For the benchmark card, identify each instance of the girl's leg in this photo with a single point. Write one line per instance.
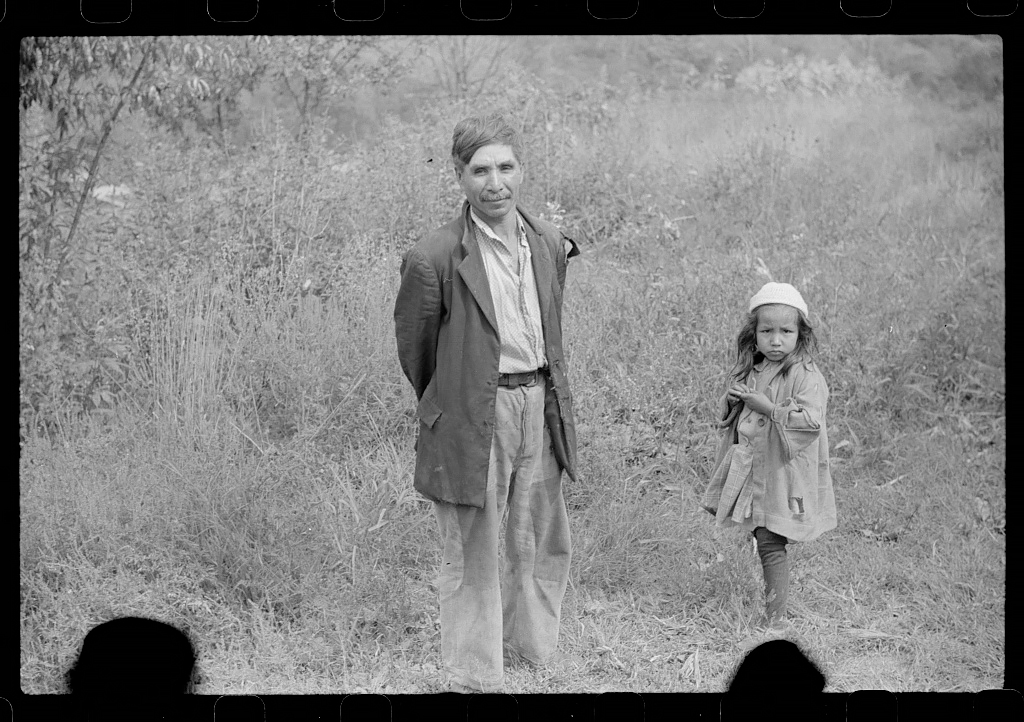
(772, 549)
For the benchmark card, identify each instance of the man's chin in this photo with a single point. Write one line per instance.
(495, 210)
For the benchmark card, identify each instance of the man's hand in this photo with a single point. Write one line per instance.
(752, 398)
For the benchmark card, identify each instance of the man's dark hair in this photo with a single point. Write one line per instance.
(472, 134)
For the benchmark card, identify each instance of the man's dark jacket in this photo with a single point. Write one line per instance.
(448, 346)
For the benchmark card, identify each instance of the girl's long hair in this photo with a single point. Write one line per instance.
(747, 355)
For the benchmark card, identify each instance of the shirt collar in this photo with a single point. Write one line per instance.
(521, 227)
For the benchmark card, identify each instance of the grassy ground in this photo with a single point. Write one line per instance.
(283, 532)
(660, 601)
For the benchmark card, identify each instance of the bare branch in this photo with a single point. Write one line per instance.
(491, 66)
(288, 87)
(107, 128)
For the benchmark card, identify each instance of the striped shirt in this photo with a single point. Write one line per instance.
(514, 296)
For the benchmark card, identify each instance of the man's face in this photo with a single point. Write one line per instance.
(491, 181)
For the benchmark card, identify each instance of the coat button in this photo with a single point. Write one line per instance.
(760, 422)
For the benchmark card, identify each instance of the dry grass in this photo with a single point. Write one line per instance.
(260, 496)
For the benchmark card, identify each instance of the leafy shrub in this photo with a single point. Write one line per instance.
(816, 77)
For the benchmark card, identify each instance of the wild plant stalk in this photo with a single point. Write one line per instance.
(190, 359)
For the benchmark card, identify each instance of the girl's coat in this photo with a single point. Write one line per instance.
(774, 471)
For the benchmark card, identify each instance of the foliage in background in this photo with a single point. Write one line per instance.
(73, 323)
(942, 66)
(216, 431)
(314, 72)
(465, 65)
(818, 77)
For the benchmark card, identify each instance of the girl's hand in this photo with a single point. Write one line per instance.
(752, 398)
(736, 391)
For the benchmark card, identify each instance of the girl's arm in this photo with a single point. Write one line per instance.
(728, 408)
(724, 407)
(800, 417)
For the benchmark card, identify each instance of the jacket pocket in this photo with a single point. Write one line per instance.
(428, 410)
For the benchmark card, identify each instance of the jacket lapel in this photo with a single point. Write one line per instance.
(472, 270)
(543, 267)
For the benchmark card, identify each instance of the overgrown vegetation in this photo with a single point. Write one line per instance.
(216, 432)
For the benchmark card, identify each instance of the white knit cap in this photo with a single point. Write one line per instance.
(779, 293)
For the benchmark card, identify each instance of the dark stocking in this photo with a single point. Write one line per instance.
(772, 549)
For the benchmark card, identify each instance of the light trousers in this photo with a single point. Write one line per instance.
(485, 607)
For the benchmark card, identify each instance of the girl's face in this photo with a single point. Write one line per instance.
(777, 331)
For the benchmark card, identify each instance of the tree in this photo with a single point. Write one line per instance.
(72, 93)
(84, 84)
(313, 71)
(464, 65)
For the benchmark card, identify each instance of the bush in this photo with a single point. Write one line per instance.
(816, 77)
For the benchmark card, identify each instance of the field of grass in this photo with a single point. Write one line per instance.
(257, 490)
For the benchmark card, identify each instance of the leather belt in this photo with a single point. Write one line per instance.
(527, 378)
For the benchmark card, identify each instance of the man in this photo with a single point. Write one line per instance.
(478, 323)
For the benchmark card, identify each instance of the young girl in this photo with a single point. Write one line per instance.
(772, 475)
